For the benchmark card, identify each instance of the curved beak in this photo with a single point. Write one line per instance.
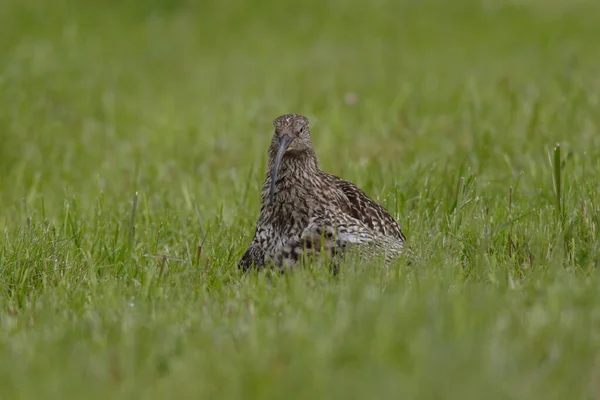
(284, 142)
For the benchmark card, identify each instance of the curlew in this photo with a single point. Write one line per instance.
(305, 210)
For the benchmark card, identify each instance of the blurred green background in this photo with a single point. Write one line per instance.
(447, 112)
(107, 93)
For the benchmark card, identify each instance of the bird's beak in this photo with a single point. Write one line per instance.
(284, 142)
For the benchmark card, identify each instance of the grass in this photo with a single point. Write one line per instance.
(133, 147)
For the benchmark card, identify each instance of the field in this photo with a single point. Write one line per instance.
(133, 139)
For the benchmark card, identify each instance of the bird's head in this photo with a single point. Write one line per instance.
(291, 134)
(291, 138)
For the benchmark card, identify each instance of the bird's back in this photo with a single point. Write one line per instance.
(363, 208)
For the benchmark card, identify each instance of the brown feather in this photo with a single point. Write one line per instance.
(307, 211)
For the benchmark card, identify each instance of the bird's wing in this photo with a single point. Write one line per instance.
(254, 256)
(367, 210)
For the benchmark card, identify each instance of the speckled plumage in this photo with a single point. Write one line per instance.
(305, 210)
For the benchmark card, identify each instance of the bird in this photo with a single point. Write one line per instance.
(305, 211)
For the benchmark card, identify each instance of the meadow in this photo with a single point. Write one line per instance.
(133, 144)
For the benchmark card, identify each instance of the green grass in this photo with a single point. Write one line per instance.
(460, 107)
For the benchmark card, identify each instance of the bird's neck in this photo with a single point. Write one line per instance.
(304, 161)
(296, 174)
(295, 169)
